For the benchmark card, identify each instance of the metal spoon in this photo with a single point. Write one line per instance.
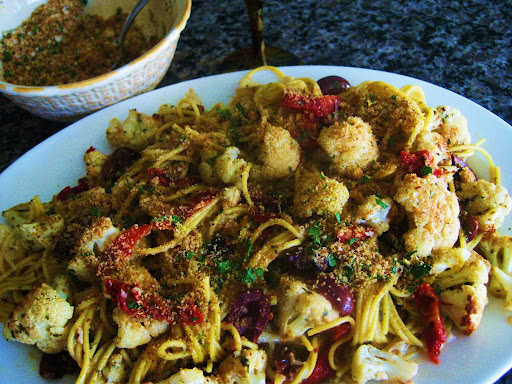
(128, 22)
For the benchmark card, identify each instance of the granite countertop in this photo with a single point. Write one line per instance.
(464, 46)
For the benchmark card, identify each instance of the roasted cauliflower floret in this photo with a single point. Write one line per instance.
(432, 211)
(375, 213)
(448, 258)
(452, 125)
(300, 309)
(94, 239)
(133, 332)
(41, 319)
(226, 168)
(370, 363)
(498, 250)
(465, 306)
(318, 194)
(351, 146)
(116, 370)
(94, 161)
(137, 131)
(488, 202)
(277, 153)
(189, 376)
(464, 292)
(248, 368)
(434, 144)
(40, 234)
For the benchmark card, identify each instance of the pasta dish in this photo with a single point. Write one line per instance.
(308, 231)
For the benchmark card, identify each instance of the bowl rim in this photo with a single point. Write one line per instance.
(29, 90)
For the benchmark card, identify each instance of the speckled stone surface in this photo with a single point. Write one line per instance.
(464, 46)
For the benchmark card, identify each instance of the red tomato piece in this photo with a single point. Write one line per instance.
(420, 162)
(429, 307)
(122, 245)
(165, 180)
(134, 302)
(68, 192)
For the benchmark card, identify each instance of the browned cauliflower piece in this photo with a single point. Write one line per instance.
(94, 161)
(372, 364)
(435, 144)
(40, 234)
(300, 309)
(432, 211)
(41, 319)
(464, 292)
(133, 332)
(190, 376)
(96, 237)
(452, 125)
(375, 212)
(351, 146)
(248, 368)
(137, 131)
(226, 168)
(488, 202)
(318, 194)
(115, 371)
(278, 153)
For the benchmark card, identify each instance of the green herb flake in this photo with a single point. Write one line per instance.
(425, 170)
(189, 255)
(408, 256)
(381, 203)
(332, 261)
(315, 233)
(248, 244)
(251, 275)
(420, 270)
(95, 211)
(225, 266)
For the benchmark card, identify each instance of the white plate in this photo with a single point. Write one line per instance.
(57, 162)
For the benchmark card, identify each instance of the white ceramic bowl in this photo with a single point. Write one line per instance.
(69, 102)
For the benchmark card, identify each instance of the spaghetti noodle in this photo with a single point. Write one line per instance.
(286, 237)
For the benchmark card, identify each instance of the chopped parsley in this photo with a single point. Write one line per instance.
(425, 171)
(420, 270)
(251, 275)
(332, 261)
(314, 233)
(95, 211)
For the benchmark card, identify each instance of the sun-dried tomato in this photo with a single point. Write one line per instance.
(313, 110)
(429, 307)
(321, 107)
(121, 247)
(166, 180)
(354, 233)
(68, 192)
(132, 300)
(420, 162)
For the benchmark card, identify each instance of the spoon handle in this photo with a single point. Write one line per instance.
(129, 20)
